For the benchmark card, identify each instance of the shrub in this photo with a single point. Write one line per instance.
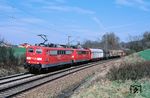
(132, 71)
(8, 59)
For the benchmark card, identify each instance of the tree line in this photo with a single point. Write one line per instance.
(111, 41)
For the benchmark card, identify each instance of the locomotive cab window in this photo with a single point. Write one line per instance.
(30, 50)
(38, 51)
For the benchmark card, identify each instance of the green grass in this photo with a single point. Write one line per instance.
(145, 54)
(114, 89)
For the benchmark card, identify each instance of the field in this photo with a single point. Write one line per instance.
(145, 54)
(121, 80)
(114, 89)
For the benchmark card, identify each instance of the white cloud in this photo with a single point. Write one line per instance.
(23, 22)
(29, 3)
(60, 1)
(123, 2)
(140, 4)
(144, 8)
(99, 22)
(6, 8)
(140, 1)
(32, 20)
(68, 9)
(55, 5)
(48, 1)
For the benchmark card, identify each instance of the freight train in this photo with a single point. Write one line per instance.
(43, 57)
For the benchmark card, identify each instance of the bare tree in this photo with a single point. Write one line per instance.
(136, 43)
(92, 44)
(1, 40)
(146, 40)
(146, 36)
(112, 41)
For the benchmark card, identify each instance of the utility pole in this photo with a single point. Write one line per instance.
(106, 41)
(106, 45)
(69, 41)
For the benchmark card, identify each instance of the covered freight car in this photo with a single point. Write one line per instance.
(116, 53)
(97, 54)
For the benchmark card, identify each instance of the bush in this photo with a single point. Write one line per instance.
(132, 71)
(8, 59)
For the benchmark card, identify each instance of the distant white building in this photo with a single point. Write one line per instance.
(24, 45)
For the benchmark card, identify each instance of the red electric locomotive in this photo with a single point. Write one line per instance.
(40, 57)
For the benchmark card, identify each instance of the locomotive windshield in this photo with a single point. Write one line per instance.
(30, 50)
(38, 51)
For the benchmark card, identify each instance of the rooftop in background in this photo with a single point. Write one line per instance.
(24, 45)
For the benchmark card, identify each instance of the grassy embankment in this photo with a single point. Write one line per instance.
(133, 70)
(11, 60)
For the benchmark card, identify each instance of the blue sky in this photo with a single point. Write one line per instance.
(22, 20)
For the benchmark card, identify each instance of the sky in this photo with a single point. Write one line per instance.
(22, 20)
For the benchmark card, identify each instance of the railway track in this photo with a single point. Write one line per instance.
(11, 79)
(11, 76)
(10, 87)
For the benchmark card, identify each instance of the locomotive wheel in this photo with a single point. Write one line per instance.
(40, 70)
(35, 70)
(31, 70)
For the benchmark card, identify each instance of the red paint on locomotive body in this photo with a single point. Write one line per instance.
(44, 57)
(82, 55)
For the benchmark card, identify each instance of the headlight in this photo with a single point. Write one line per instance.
(28, 58)
(39, 59)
